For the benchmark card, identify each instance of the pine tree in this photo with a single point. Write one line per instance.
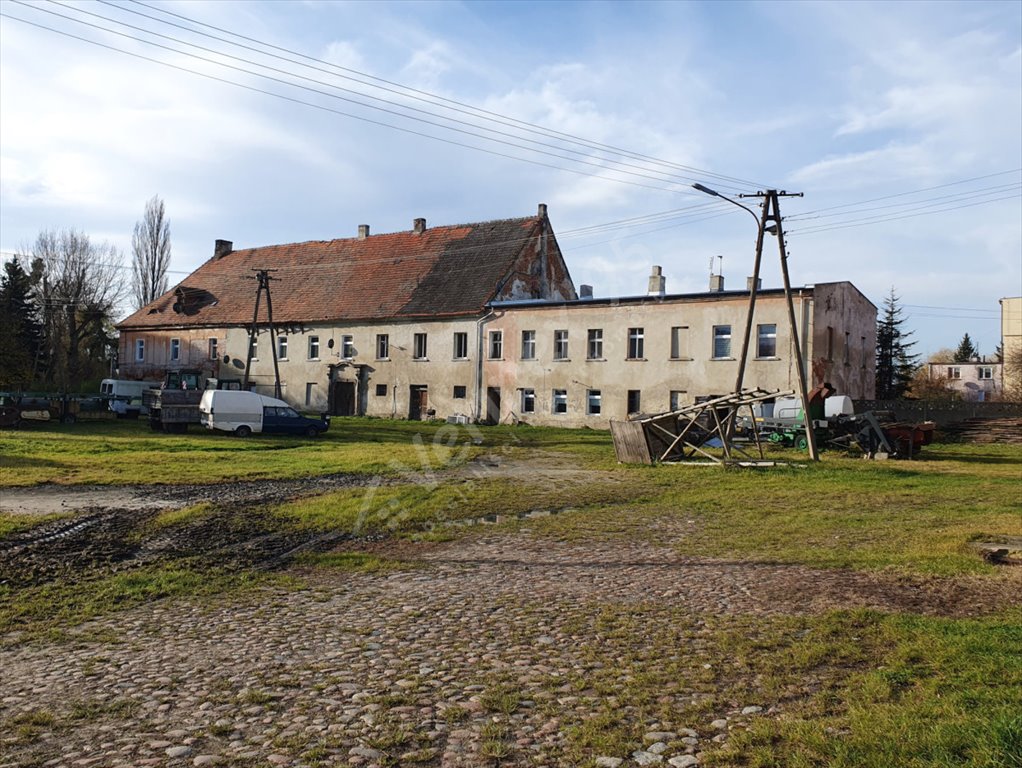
(895, 362)
(22, 338)
(966, 350)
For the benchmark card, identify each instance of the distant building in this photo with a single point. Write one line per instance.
(976, 381)
(1011, 343)
(483, 321)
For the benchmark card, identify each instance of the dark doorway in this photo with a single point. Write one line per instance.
(493, 405)
(342, 398)
(418, 401)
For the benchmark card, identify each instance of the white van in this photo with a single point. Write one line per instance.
(246, 412)
(125, 397)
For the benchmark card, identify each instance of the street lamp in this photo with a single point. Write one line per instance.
(752, 288)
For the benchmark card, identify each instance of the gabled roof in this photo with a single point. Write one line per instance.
(441, 271)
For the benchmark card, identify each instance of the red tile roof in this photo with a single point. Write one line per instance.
(443, 271)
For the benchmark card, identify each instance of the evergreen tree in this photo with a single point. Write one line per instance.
(966, 350)
(895, 362)
(22, 339)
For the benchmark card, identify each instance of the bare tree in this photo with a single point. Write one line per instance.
(80, 287)
(150, 248)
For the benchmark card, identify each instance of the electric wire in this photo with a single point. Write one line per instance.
(618, 164)
(425, 96)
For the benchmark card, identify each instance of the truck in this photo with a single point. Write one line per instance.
(245, 413)
(175, 404)
(124, 396)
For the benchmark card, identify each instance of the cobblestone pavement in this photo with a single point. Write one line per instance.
(484, 651)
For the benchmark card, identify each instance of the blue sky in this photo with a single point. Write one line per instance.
(915, 106)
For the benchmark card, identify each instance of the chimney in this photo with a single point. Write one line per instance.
(716, 283)
(419, 226)
(748, 284)
(585, 291)
(221, 248)
(363, 231)
(657, 282)
(541, 212)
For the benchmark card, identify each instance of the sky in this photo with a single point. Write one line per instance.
(899, 123)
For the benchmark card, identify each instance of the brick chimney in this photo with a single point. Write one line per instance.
(541, 211)
(419, 226)
(221, 248)
(657, 282)
(585, 291)
(363, 231)
(749, 282)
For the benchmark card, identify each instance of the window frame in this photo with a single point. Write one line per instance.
(720, 336)
(383, 346)
(420, 346)
(282, 347)
(528, 345)
(460, 392)
(561, 345)
(558, 398)
(594, 402)
(679, 342)
(636, 343)
(213, 348)
(528, 400)
(174, 355)
(769, 338)
(460, 339)
(594, 344)
(495, 345)
(347, 346)
(636, 395)
(313, 348)
(139, 350)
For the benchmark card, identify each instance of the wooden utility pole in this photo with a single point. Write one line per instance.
(263, 276)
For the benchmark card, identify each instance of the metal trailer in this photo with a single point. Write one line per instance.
(175, 405)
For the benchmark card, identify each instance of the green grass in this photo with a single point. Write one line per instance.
(15, 522)
(56, 606)
(124, 452)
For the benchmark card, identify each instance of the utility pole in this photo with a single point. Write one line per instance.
(772, 213)
(263, 276)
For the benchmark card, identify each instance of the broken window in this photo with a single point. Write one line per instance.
(594, 349)
(460, 345)
(459, 392)
(678, 399)
(679, 343)
(419, 346)
(634, 401)
(213, 354)
(496, 345)
(382, 346)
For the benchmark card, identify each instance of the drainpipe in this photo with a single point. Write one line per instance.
(479, 361)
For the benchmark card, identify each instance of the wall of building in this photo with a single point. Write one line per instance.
(1011, 343)
(678, 360)
(843, 348)
(976, 382)
(663, 380)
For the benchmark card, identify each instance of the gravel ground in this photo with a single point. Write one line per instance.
(474, 651)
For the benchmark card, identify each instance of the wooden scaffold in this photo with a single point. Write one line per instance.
(684, 435)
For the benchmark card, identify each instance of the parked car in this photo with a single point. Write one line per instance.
(125, 396)
(244, 413)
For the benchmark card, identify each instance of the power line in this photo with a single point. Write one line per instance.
(420, 95)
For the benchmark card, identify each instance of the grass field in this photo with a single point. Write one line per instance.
(862, 688)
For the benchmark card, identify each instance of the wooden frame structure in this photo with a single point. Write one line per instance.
(681, 436)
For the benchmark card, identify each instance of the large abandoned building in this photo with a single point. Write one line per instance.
(483, 321)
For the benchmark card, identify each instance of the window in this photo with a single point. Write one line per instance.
(766, 345)
(636, 342)
(314, 347)
(848, 346)
(830, 343)
(460, 345)
(175, 350)
(419, 346)
(381, 390)
(678, 399)
(560, 401)
(496, 345)
(282, 347)
(528, 401)
(593, 402)
(985, 372)
(634, 401)
(213, 354)
(528, 345)
(253, 348)
(954, 372)
(594, 349)
(679, 343)
(721, 341)
(560, 345)
(862, 340)
(347, 347)
(139, 350)
(459, 392)
(382, 346)
(310, 390)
